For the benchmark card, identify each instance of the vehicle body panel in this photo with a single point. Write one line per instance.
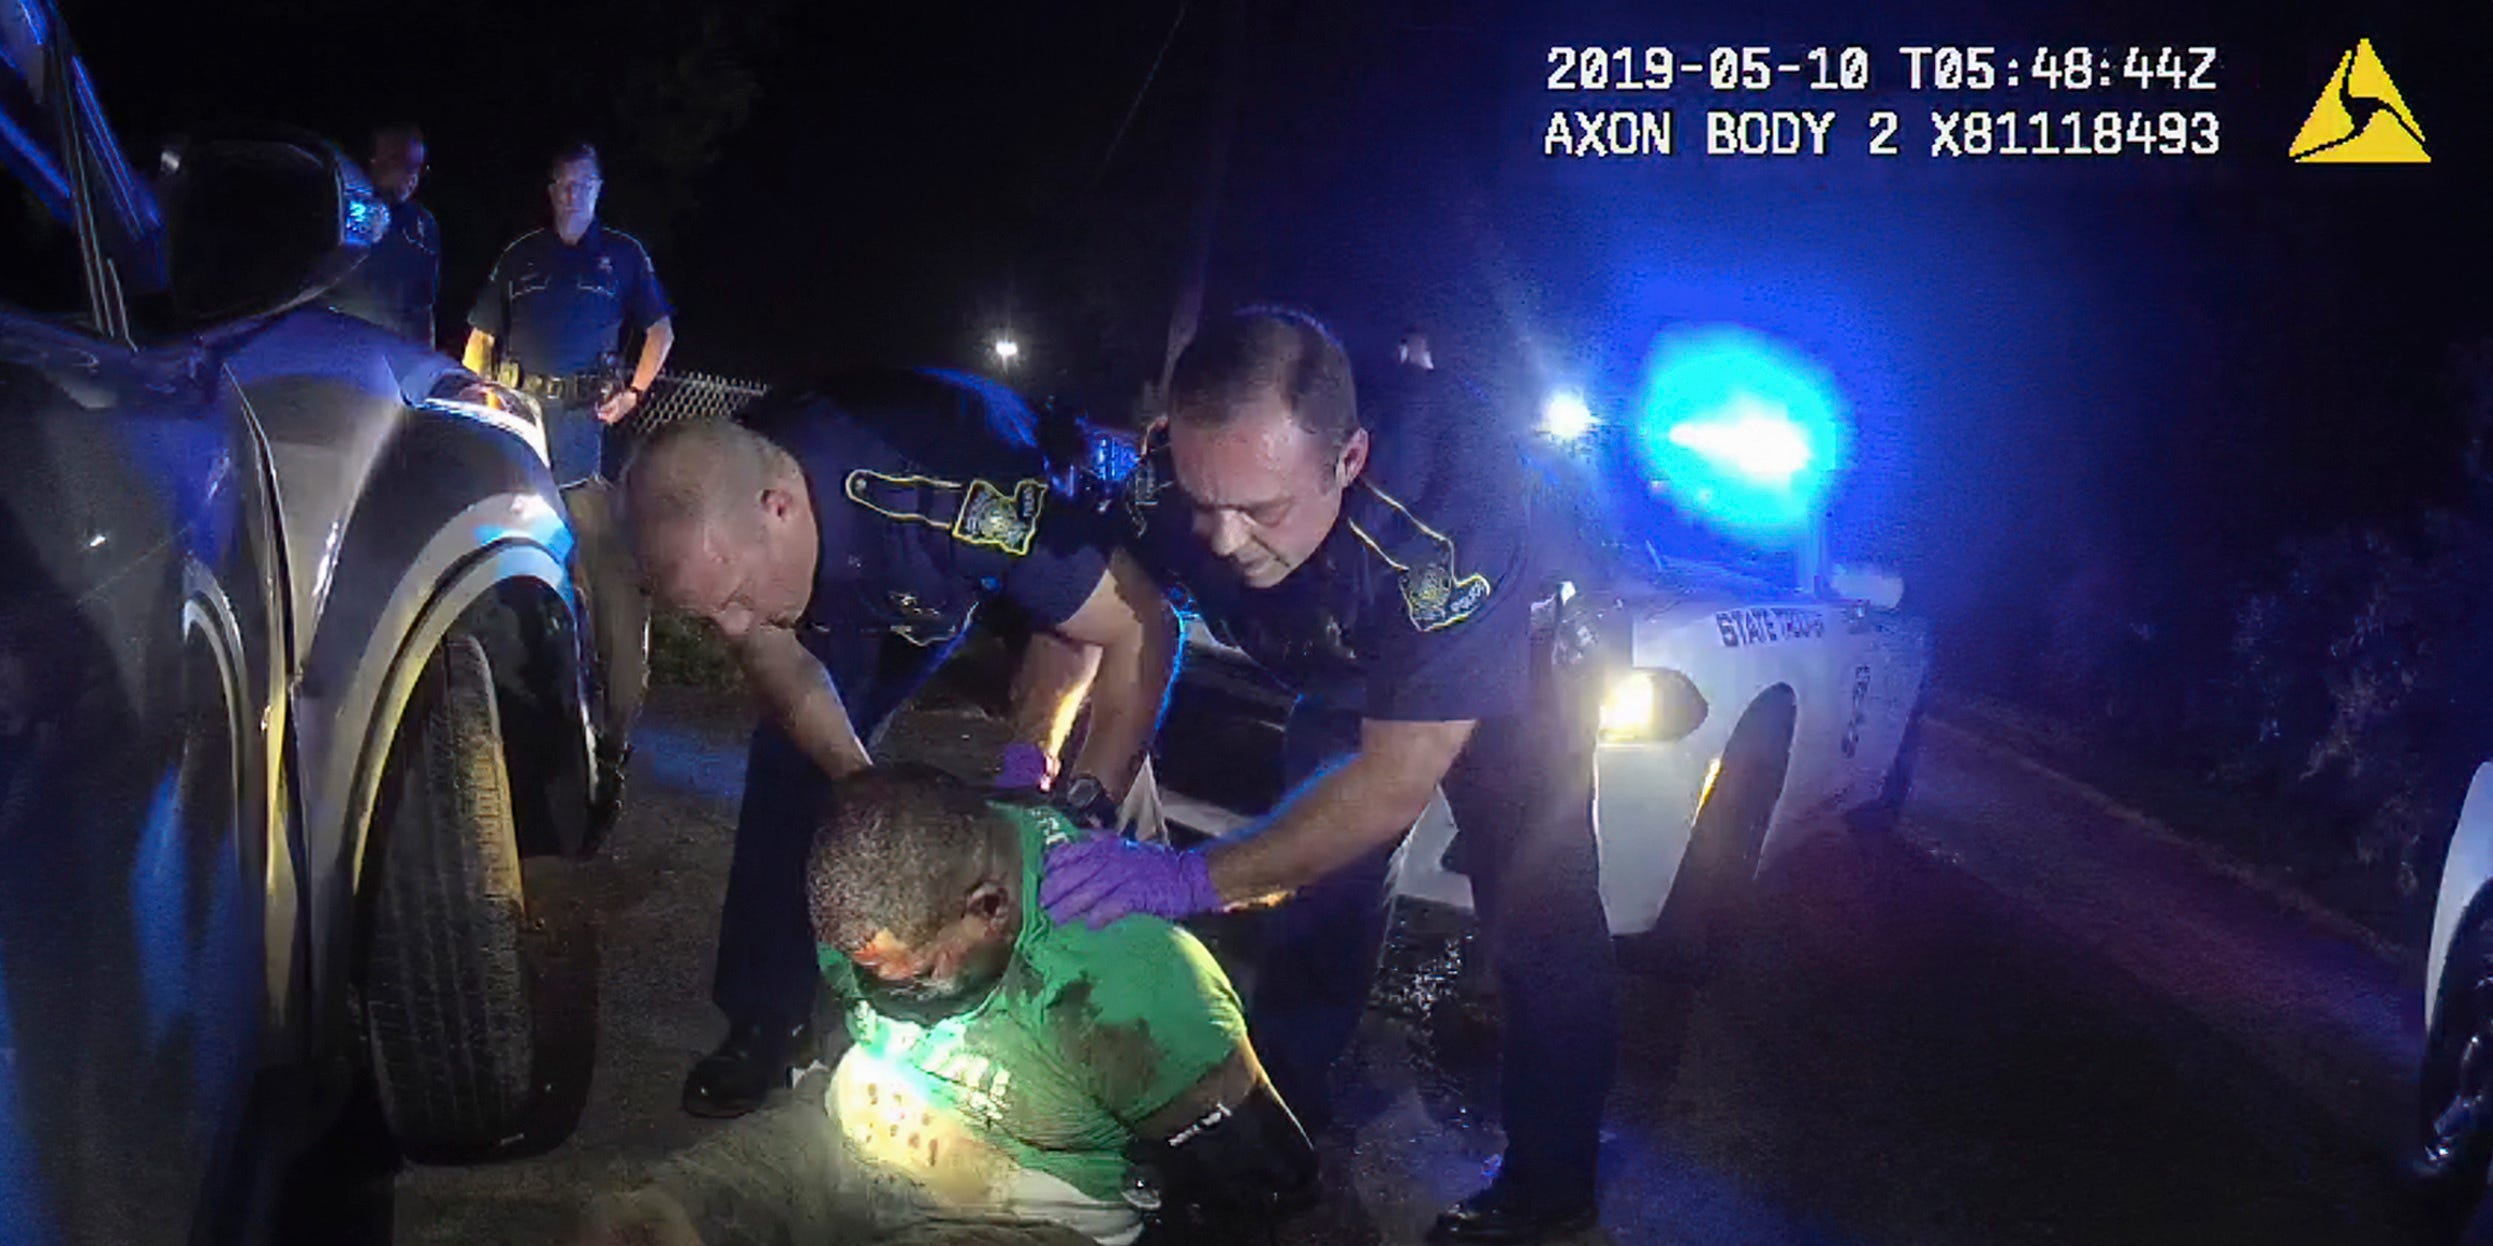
(140, 605)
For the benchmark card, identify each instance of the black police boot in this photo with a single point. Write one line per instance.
(752, 1062)
(1503, 1216)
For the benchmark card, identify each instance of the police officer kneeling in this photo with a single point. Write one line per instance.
(1382, 559)
(841, 539)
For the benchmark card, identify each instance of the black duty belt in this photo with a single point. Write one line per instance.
(562, 388)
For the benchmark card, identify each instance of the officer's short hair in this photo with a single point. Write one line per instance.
(900, 849)
(388, 136)
(572, 154)
(1262, 350)
(688, 471)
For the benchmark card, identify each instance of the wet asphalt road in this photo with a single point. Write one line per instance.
(2024, 1018)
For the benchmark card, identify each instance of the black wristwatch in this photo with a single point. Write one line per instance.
(1086, 800)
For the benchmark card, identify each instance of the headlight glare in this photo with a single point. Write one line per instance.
(1655, 706)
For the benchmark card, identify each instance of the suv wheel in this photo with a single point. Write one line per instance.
(448, 985)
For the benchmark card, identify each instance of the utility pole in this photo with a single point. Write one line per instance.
(1237, 32)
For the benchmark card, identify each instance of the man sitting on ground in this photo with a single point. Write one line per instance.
(1008, 1079)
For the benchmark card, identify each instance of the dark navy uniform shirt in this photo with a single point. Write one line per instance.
(395, 285)
(1418, 606)
(557, 310)
(931, 497)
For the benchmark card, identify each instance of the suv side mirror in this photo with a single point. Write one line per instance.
(259, 224)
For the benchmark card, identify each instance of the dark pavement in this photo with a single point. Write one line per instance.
(2027, 1017)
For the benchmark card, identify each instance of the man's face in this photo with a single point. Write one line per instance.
(398, 167)
(946, 972)
(1265, 491)
(573, 192)
(752, 567)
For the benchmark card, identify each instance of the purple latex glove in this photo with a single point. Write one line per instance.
(1025, 765)
(1102, 878)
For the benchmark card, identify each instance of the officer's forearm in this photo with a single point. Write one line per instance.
(1126, 697)
(1345, 813)
(1128, 620)
(655, 346)
(479, 354)
(799, 695)
(1048, 687)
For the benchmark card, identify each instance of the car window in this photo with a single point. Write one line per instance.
(39, 269)
(39, 266)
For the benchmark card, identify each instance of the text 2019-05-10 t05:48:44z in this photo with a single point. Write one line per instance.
(2082, 67)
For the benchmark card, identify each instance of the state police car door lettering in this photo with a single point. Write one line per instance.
(1768, 625)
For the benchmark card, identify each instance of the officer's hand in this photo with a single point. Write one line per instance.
(1025, 765)
(620, 405)
(1102, 878)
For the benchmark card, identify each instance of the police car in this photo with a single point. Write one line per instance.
(1739, 719)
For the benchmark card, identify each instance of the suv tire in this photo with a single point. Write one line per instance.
(448, 983)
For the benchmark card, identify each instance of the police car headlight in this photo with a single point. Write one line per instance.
(1651, 706)
(474, 398)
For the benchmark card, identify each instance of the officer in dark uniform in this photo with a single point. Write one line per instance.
(395, 285)
(841, 540)
(1382, 558)
(554, 315)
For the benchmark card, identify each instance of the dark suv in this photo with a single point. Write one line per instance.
(292, 676)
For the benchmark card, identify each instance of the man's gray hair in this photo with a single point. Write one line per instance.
(900, 849)
(691, 471)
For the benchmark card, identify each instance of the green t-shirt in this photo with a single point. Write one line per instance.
(1026, 1103)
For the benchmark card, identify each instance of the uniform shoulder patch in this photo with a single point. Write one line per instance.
(1436, 592)
(977, 512)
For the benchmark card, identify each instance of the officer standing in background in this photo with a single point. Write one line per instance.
(555, 314)
(1384, 559)
(1413, 352)
(395, 285)
(841, 539)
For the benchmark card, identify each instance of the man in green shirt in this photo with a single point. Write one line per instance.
(1005, 1073)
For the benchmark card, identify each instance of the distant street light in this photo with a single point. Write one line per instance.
(1566, 418)
(1007, 350)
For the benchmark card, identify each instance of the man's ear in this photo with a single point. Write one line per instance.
(990, 903)
(1354, 458)
(777, 503)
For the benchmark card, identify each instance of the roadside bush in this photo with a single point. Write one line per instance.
(2355, 687)
(687, 653)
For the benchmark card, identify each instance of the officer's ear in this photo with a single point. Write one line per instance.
(778, 503)
(1354, 457)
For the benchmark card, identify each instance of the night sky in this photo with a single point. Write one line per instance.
(2164, 363)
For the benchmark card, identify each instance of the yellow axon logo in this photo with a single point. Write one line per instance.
(2360, 118)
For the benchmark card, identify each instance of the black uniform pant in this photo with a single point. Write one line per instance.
(1522, 796)
(766, 970)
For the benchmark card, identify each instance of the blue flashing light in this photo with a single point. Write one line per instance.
(1741, 431)
(1566, 417)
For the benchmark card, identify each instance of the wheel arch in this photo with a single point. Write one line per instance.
(2466, 875)
(518, 595)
